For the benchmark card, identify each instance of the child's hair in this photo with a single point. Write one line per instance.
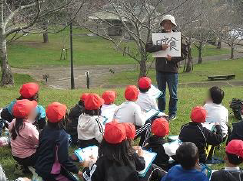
(120, 153)
(216, 94)
(19, 124)
(58, 125)
(234, 159)
(187, 155)
(81, 103)
(143, 90)
(34, 98)
(96, 112)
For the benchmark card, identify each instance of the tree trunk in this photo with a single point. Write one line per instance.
(232, 51)
(143, 67)
(7, 76)
(45, 34)
(200, 53)
(219, 45)
(45, 37)
(189, 60)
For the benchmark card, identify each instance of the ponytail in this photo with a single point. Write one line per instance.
(19, 124)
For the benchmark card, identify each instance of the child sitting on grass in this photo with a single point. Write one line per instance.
(233, 158)
(73, 116)
(217, 113)
(129, 111)
(160, 128)
(28, 91)
(118, 160)
(53, 162)
(145, 100)
(194, 132)
(90, 127)
(188, 156)
(108, 109)
(24, 135)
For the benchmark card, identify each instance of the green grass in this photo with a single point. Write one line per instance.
(200, 72)
(188, 98)
(30, 51)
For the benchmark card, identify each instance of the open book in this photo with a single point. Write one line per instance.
(209, 126)
(86, 153)
(170, 148)
(155, 92)
(149, 158)
(150, 114)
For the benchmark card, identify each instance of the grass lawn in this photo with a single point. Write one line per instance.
(188, 98)
(30, 51)
(199, 73)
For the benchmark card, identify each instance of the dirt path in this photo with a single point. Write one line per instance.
(59, 77)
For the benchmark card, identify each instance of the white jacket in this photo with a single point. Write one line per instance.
(146, 101)
(130, 112)
(217, 113)
(108, 111)
(90, 127)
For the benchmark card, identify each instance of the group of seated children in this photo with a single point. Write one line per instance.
(98, 121)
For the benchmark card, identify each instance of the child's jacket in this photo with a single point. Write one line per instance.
(50, 140)
(107, 170)
(200, 136)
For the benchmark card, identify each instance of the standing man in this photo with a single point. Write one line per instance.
(167, 69)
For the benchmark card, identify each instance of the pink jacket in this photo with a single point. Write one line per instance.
(26, 143)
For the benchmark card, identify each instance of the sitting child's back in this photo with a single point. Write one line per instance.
(188, 157)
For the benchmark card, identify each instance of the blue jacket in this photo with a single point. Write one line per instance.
(177, 173)
(51, 138)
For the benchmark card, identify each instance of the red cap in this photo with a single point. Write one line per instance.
(29, 90)
(55, 112)
(131, 93)
(130, 130)
(114, 132)
(235, 147)
(22, 108)
(109, 97)
(84, 96)
(144, 83)
(93, 102)
(160, 127)
(198, 114)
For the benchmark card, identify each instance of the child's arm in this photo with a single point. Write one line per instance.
(139, 117)
(63, 156)
(139, 162)
(98, 130)
(94, 172)
(214, 138)
(34, 136)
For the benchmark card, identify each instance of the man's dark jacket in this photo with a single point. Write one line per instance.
(162, 64)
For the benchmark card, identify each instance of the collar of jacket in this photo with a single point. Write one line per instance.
(195, 124)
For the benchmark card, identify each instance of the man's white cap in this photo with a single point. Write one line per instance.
(170, 18)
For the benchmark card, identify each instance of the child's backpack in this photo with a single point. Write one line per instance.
(237, 107)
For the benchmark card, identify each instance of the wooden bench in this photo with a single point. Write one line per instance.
(221, 77)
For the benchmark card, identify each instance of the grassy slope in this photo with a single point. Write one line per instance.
(188, 97)
(199, 73)
(87, 51)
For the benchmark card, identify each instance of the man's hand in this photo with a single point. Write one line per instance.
(168, 57)
(165, 46)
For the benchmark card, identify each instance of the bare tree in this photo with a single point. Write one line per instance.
(133, 21)
(18, 18)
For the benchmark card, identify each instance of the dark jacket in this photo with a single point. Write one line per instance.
(200, 136)
(237, 132)
(72, 124)
(162, 64)
(155, 144)
(107, 170)
(223, 175)
(50, 139)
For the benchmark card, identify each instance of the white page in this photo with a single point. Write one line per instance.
(173, 39)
